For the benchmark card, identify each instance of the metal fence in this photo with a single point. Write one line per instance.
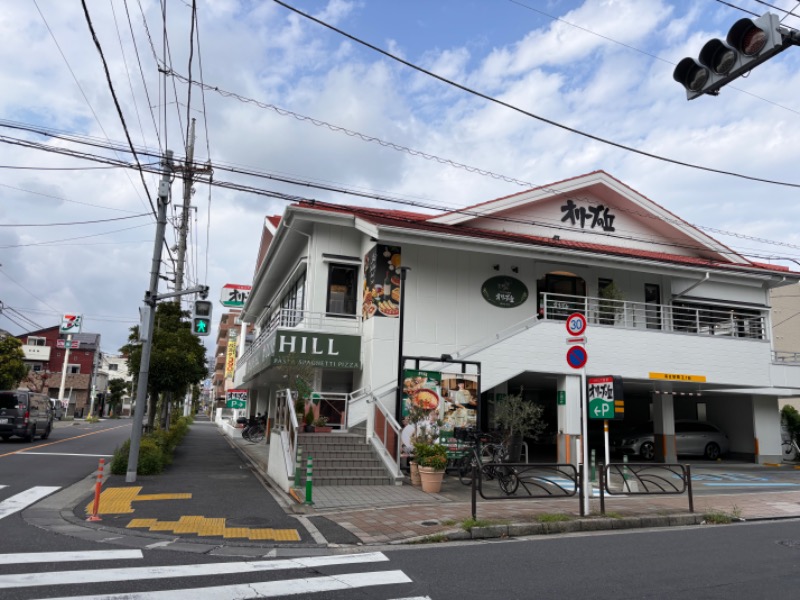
(639, 479)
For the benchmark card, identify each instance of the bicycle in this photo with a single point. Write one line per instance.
(486, 457)
(789, 449)
(254, 433)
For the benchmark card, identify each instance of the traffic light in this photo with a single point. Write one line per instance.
(748, 43)
(201, 317)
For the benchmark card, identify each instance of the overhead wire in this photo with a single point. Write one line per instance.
(527, 113)
(66, 199)
(80, 88)
(73, 222)
(384, 198)
(141, 72)
(116, 100)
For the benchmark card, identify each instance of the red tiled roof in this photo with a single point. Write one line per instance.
(420, 221)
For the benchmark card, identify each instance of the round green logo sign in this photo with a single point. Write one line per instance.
(504, 292)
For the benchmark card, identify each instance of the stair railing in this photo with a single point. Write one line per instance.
(286, 422)
(383, 431)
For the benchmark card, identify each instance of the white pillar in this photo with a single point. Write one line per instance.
(664, 427)
(766, 430)
(569, 419)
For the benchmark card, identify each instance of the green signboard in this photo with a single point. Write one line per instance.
(561, 397)
(325, 350)
(236, 399)
(504, 292)
(605, 398)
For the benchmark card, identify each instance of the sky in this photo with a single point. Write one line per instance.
(279, 94)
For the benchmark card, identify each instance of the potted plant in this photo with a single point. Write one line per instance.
(308, 420)
(423, 434)
(610, 304)
(321, 425)
(518, 418)
(432, 460)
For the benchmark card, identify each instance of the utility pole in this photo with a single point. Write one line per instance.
(148, 319)
(189, 170)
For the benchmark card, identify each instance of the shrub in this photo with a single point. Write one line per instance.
(151, 458)
(155, 450)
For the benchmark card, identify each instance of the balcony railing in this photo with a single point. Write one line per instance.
(290, 318)
(693, 318)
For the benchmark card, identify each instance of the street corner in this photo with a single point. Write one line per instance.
(181, 513)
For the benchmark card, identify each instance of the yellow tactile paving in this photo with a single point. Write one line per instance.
(118, 501)
(179, 496)
(203, 526)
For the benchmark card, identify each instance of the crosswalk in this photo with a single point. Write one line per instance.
(17, 502)
(74, 582)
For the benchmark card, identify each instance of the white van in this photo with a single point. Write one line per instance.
(58, 408)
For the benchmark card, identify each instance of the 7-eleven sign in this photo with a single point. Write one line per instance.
(71, 324)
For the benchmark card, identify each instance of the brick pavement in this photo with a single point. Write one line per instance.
(392, 514)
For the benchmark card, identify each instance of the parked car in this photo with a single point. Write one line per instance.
(58, 408)
(696, 438)
(25, 414)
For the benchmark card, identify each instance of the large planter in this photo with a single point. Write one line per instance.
(431, 479)
(414, 472)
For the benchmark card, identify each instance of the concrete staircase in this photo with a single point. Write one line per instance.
(342, 459)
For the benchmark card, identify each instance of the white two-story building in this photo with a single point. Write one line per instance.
(688, 329)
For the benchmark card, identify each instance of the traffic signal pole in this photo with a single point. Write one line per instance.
(148, 319)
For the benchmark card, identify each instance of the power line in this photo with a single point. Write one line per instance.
(73, 222)
(81, 237)
(68, 200)
(528, 113)
(116, 101)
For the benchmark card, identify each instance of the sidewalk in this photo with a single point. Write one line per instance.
(215, 498)
(396, 514)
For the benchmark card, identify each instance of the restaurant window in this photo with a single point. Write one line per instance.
(342, 290)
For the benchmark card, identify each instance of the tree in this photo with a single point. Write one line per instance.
(41, 381)
(116, 390)
(12, 363)
(518, 418)
(177, 359)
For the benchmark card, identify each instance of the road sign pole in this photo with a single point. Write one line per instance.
(584, 446)
(605, 440)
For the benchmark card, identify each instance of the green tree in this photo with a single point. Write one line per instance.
(177, 359)
(12, 363)
(116, 390)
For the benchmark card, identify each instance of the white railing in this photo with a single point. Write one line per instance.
(682, 317)
(357, 406)
(783, 357)
(286, 421)
(383, 431)
(290, 318)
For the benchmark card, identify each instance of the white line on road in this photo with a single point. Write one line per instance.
(269, 589)
(27, 452)
(20, 580)
(46, 557)
(16, 503)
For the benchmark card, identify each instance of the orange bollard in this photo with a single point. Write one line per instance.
(97, 486)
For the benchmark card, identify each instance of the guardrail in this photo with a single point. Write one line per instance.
(525, 481)
(639, 479)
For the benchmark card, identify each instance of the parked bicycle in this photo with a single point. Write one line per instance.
(487, 454)
(255, 431)
(789, 449)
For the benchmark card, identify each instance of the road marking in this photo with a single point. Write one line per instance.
(742, 484)
(118, 501)
(69, 439)
(16, 503)
(270, 589)
(203, 526)
(64, 454)
(20, 580)
(47, 557)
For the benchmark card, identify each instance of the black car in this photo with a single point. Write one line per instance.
(25, 414)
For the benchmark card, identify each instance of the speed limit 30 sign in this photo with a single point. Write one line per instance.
(576, 324)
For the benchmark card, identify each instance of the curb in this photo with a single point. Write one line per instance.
(513, 530)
